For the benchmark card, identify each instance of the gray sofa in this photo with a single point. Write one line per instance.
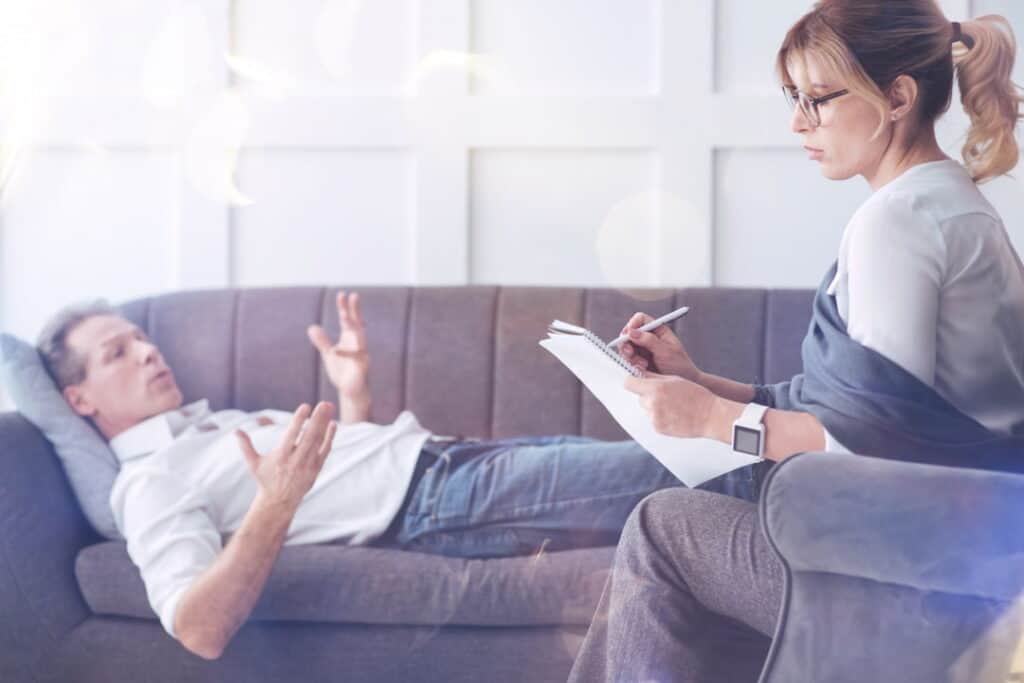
(466, 361)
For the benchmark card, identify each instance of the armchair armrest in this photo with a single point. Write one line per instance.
(929, 527)
(41, 532)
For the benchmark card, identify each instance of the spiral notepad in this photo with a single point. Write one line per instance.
(559, 327)
(693, 461)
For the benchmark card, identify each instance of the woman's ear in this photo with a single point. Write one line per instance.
(902, 96)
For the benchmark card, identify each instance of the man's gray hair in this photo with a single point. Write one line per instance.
(64, 365)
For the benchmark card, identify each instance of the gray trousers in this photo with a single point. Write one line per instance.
(694, 595)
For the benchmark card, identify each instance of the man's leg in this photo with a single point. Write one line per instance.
(516, 496)
(693, 596)
(743, 483)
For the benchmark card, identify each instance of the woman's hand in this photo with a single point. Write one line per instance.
(677, 406)
(659, 351)
(348, 361)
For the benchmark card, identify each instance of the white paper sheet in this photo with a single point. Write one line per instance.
(692, 461)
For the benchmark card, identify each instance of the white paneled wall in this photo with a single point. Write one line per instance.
(568, 47)
(546, 217)
(324, 215)
(313, 47)
(779, 229)
(746, 40)
(173, 144)
(87, 223)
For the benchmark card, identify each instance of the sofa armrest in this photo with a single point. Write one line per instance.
(41, 532)
(928, 527)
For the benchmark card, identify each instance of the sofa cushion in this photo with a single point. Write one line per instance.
(349, 584)
(89, 463)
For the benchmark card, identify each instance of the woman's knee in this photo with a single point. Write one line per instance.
(665, 516)
(669, 504)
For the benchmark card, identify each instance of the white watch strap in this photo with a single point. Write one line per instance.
(752, 415)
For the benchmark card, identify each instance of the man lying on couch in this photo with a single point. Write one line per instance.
(191, 479)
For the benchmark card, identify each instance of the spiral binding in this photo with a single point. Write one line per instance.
(622, 362)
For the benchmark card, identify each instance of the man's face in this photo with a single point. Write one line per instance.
(126, 379)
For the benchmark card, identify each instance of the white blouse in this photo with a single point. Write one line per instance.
(927, 277)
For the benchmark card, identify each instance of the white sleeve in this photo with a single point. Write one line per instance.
(832, 444)
(895, 267)
(170, 535)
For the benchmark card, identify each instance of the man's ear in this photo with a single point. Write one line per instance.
(78, 401)
(903, 95)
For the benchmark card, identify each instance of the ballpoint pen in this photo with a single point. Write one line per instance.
(657, 322)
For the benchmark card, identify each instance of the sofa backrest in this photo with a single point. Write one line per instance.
(465, 360)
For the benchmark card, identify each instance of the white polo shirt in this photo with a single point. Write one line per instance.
(184, 486)
(927, 277)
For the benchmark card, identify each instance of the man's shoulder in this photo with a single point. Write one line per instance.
(145, 471)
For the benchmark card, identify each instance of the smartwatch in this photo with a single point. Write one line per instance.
(748, 431)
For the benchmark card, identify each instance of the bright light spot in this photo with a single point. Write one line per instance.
(265, 80)
(211, 153)
(40, 43)
(333, 33)
(651, 239)
(481, 67)
(180, 58)
(163, 69)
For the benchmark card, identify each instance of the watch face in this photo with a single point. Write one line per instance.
(746, 440)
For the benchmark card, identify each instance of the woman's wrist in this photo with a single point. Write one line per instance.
(723, 413)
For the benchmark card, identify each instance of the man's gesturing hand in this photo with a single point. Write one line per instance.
(287, 473)
(348, 361)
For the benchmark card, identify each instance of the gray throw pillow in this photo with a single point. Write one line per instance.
(89, 463)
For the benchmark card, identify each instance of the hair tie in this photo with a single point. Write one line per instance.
(960, 37)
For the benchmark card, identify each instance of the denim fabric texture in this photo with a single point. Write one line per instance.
(522, 495)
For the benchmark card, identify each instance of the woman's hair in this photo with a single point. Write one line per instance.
(869, 43)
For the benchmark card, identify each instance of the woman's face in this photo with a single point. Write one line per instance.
(842, 144)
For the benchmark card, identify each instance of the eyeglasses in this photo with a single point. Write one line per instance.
(808, 104)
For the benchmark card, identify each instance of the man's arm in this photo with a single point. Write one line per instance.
(220, 599)
(354, 409)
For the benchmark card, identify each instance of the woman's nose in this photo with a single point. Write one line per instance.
(798, 121)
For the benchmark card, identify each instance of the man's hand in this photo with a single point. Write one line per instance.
(220, 599)
(347, 362)
(677, 406)
(287, 473)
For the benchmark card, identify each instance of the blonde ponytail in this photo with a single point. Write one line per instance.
(989, 96)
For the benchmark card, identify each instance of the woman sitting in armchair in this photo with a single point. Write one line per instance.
(914, 350)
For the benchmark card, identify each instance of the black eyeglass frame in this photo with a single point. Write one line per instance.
(811, 110)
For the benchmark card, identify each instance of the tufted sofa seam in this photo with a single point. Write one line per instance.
(232, 366)
(762, 377)
(495, 308)
(318, 385)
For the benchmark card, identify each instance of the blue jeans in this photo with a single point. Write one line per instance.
(520, 495)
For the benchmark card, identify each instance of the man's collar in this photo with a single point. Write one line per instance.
(156, 432)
